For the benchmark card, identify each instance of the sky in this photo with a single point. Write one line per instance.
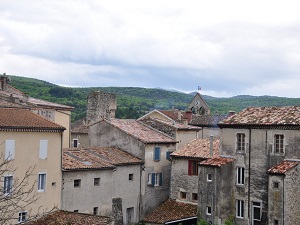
(227, 47)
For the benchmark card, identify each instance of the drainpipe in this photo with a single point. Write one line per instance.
(140, 197)
(283, 219)
(249, 169)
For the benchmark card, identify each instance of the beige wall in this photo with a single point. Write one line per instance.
(185, 136)
(83, 140)
(64, 118)
(27, 155)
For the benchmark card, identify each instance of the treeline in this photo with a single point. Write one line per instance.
(133, 102)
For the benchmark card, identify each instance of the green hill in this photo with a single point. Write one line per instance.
(134, 102)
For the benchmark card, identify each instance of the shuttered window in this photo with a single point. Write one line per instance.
(10, 149)
(157, 154)
(43, 152)
(193, 167)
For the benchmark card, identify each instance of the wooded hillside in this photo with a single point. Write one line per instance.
(133, 102)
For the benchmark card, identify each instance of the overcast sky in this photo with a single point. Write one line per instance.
(227, 47)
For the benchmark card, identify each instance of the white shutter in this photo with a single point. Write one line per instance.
(10, 149)
(43, 149)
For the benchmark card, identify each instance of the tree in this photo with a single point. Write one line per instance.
(16, 192)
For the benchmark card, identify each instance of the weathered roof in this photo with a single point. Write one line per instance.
(24, 119)
(283, 167)
(173, 114)
(11, 94)
(265, 116)
(61, 217)
(198, 148)
(80, 126)
(207, 120)
(155, 122)
(96, 158)
(171, 210)
(140, 131)
(216, 162)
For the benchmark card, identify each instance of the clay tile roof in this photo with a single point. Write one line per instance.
(154, 122)
(276, 116)
(198, 148)
(80, 126)
(216, 162)
(18, 118)
(283, 167)
(96, 158)
(61, 217)
(140, 131)
(208, 120)
(171, 210)
(173, 114)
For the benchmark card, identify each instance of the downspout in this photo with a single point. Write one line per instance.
(61, 169)
(249, 169)
(283, 201)
(140, 197)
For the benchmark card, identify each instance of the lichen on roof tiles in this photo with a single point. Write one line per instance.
(216, 162)
(283, 167)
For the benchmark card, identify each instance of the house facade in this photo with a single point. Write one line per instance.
(184, 182)
(146, 143)
(31, 143)
(258, 138)
(94, 181)
(57, 113)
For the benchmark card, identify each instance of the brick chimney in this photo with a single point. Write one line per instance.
(3, 81)
(189, 115)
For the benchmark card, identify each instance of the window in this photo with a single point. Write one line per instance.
(276, 184)
(76, 210)
(168, 155)
(183, 195)
(240, 209)
(155, 179)
(256, 212)
(209, 177)
(96, 181)
(42, 182)
(77, 183)
(278, 143)
(7, 187)
(75, 143)
(240, 142)
(130, 176)
(240, 176)
(95, 211)
(194, 196)
(276, 222)
(192, 167)
(157, 154)
(208, 210)
(22, 216)
(10, 149)
(43, 149)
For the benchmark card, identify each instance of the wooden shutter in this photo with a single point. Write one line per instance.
(152, 179)
(156, 153)
(190, 167)
(160, 179)
(43, 149)
(9, 149)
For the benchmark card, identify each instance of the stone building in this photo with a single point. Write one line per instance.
(146, 143)
(184, 182)
(102, 181)
(258, 138)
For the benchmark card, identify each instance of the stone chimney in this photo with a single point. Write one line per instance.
(179, 114)
(3, 81)
(189, 115)
(231, 113)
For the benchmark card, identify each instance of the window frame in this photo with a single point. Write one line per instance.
(41, 185)
(193, 167)
(21, 216)
(208, 210)
(130, 177)
(75, 183)
(183, 195)
(240, 142)
(209, 177)
(240, 176)
(96, 181)
(95, 210)
(240, 209)
(193, 196)
(77, 142)
(43, 149)
(10, 147)
(278, 145)
(154, 179)
(7, 192)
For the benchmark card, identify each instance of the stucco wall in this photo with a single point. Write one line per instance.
(185, 136)
(83, 140)
(206, 132)
(27, 155)
(113, 184)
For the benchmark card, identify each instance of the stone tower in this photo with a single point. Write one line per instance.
(100, 105)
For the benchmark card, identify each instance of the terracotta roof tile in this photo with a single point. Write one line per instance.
(141, 132)
(277, 115)
(171, 210)
(173, 114)
(177, 125)
(80, 126)
(61, 217)
(216, 162)
(208, 120)
(198, 148)
(19, 118)
(283, 167)
(96, 158)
